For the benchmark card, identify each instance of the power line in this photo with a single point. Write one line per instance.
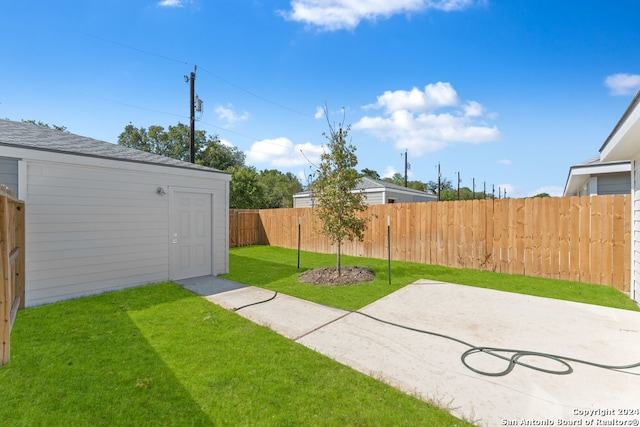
(256, 95)
(133, 106)
(168, 58)
(180, 61)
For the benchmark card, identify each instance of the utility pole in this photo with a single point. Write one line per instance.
(458, 185)
(406, 167)
(473, 193)
(191, 79)
(439, 184)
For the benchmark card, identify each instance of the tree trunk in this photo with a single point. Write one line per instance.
(338, 260)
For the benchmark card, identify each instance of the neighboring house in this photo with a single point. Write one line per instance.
(595, 177)
(624, 144)
(376, 192)
(101, 217)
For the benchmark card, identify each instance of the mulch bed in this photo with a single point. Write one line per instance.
(329, 276)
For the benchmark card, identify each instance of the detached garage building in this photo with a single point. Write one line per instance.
(101, 217)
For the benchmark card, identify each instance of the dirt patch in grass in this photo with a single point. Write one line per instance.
(329, 276)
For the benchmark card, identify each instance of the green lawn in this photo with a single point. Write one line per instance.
(160, 356)
(276, 268)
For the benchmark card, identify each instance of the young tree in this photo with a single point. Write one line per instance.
(337, 204)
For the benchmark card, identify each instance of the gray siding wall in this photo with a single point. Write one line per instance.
(614, 183)
(302, 202)
(9, 173)
(407, 198)
(374, 198)
(635, 228)
(94, 229)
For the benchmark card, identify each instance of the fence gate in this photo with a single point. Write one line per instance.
(11, 266)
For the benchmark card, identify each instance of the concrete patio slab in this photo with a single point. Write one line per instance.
(431, 368)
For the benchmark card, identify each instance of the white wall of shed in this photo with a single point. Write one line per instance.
(97, 228)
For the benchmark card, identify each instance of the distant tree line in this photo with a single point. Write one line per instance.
(249, 189)
(447, 191)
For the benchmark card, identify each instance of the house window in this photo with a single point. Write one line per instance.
(391, 200)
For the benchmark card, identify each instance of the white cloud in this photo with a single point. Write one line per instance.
(332, 15)
(171, 3)
(319, 113)
(435, 95)
(623, 84)
(504, 162)
(411, 122)
(281, 152)
(230, 116)
(226, 143)
(389, 172)
(473, 109)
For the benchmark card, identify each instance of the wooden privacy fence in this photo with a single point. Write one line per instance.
(245, 228)
(11, 266)
(584, 239)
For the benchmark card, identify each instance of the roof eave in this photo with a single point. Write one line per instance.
(619, 144)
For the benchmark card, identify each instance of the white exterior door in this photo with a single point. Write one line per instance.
(190, 239)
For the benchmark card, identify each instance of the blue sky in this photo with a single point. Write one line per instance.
(509, 92)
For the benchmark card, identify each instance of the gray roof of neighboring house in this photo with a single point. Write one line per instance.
(366, 183)
(35, 137)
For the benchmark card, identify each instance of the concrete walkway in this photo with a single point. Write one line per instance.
(430, 367)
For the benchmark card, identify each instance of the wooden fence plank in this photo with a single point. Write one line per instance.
(475, 239)
(441, 226)
(606, 244)
(584, 234)
(490, 256)
(595, 236)
(504, 236)
(554, 237)
(470, 244)
(459, 233)
(413, 233)
(546, 237)
(574, 238)
(497, 232)
(529, 222)
(618, 252)
(563, 234)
